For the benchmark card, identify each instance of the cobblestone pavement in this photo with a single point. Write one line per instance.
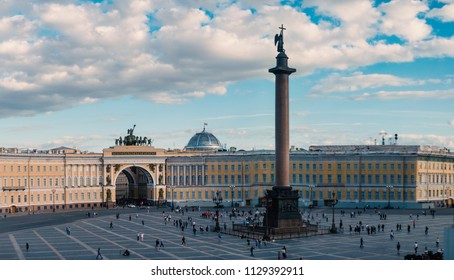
(52, 242)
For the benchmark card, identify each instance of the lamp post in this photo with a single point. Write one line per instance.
(64, 198)
(233, 192)
(217, 200)
(53, 200)
(389, 188)
(333, 225)
(172, 188)
(267, 215)
(312, 188)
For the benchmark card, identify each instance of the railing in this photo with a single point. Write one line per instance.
(258, 232)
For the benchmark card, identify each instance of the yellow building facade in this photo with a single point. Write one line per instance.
(356, 176)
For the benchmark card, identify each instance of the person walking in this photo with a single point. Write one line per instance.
(361, 243)
(111, 225)
(252, 251)
(427, 230)
(284, 252)
(28, 246)
(437, 242)
(99, 256)
(416, 247)
(398, 248)
(183, 241)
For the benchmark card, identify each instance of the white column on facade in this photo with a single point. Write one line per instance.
(203, 174)
(90, 174)
(184, 175)
(178, 174)
(164, 178)
(97, 174)
(156, 174)
(111, 176)
(73, 172)
(197, 175)
(104, 179)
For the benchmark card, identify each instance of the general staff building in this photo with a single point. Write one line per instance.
(135, 172)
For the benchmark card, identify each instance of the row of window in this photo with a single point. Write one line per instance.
(227, 194)
(50, 168)
(307, 179)
(299, 166)
(44, 182)
(44, 196)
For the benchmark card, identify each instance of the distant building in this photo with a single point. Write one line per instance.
(355, 175)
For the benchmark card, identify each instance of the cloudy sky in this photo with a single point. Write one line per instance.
(81, 73)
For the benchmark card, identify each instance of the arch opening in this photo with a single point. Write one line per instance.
(134, 186)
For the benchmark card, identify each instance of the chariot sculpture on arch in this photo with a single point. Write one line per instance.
(131, 140)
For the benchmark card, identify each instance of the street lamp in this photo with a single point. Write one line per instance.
(53, 200)
(389, 188)
(217, 200)
(173, 190)
(233, 193)
(312, 188)
(333, 225)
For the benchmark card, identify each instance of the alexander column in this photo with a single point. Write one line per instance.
(282, 201)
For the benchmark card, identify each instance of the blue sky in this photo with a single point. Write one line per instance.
(80, 73)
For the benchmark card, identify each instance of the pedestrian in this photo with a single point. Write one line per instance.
(28, 246)
(99, 256)
(284, 252)
(138, 236)
(130, 217)
(361, 243)
(157, 244)
(183, 241)
(391, 235)
(416, 247)
(111, 225)
(398, 248)
(161, 244)
(143, 222)
(437, 242)
(219, 236)
(141, 236)
(252, 251)
(427, 230)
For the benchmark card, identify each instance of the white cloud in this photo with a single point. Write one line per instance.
(445, 13)
(337, 83)
(109, 50)
(401, 19)
(427, 139)
(408, 94)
